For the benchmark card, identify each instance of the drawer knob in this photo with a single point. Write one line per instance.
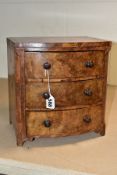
(47, 123)
(46, 95)
(46, 65)
(88, 92)
(87, 119)
(89, 64)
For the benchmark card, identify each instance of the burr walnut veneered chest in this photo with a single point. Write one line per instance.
(77, 76)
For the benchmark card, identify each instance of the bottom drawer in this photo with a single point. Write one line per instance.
(63, 123)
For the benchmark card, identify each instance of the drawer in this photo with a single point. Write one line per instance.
(63, 123)
(66, 94)
(64, 64)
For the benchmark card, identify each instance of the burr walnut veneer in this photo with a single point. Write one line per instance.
(78, 75)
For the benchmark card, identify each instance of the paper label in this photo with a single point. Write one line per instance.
(50, 102)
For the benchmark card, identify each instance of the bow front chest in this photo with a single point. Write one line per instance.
(72, 70)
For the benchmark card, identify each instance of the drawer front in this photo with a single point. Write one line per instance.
(62, 123)
(66, 94)
(64, 64)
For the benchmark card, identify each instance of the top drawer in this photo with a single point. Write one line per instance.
(64, 64)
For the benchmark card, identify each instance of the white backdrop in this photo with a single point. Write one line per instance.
(94, 18)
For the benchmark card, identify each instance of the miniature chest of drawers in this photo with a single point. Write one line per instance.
(78, 74)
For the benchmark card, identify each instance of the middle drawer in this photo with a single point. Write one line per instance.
(66, 94)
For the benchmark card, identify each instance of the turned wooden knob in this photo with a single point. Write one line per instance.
(47, 123)
(88, 92)
(46, 65)
(87, 119)
(46, 95)
(89, 64)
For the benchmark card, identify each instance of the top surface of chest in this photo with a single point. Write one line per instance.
(59, 43)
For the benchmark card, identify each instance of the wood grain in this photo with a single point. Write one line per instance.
(64, 64)
(16, 92)
(66, 94)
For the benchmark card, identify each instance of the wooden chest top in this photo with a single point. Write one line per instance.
(59, 43)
